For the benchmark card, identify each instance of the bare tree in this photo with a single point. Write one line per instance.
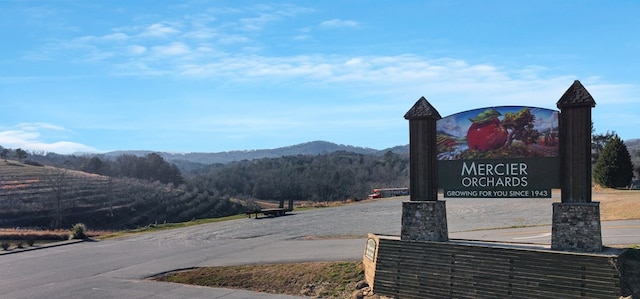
(57, 180)
(110, 190)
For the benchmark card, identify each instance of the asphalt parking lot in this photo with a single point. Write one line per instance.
(119, 268)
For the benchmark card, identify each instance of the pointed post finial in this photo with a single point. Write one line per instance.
(576, 96)
(421, 110)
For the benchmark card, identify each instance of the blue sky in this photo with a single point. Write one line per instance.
(211, 76)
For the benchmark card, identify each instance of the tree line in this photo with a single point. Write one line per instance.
(151, 167)
(328, 177)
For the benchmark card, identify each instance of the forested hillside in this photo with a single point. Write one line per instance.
(328, 177)
(633, 145)
(51, 190)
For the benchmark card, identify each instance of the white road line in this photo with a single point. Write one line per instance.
(534, 237)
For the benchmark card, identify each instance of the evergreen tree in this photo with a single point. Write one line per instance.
(598, 141)
(613, 168)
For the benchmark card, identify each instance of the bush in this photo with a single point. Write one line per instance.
(79, 231)
(5, 245)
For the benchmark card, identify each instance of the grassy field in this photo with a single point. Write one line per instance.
(617, 204)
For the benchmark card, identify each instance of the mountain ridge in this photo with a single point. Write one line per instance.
(317, 147)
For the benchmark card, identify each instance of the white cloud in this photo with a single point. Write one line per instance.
(27, 136)
(449, 80)
(337, 23)
(159, 30)
(301, 37)
(38, 126)
(200, 48)
(201, 33)
(137, 49)
(119, 36)
(257, 23)
(232, 39)
(172, 49)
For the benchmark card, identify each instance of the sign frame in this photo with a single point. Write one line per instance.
(499, 152)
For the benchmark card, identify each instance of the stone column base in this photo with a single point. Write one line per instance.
(576, 227)
(424, 221)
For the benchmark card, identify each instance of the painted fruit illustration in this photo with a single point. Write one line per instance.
(486, 131)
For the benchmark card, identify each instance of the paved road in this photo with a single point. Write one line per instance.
(119, 268)
(614, 233)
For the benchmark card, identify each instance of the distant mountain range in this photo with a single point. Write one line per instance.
(308, 148)
(633, 145)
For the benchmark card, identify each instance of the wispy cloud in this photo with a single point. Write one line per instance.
(273, 54)
(174, 37)
(206, 48)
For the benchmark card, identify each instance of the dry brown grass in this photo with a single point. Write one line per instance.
(321, 279)
(43, 235)
(617, 204)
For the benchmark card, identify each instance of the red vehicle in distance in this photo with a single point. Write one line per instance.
(388, 192)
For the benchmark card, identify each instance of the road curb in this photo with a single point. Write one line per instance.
(48, 245)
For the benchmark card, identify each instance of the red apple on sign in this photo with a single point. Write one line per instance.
(486, 131)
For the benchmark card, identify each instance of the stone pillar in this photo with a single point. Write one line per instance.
(424, 221)
(576, 227)
(576, 220)
(423, 217)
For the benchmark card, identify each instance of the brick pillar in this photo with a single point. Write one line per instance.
(423, 217)
(576, 220)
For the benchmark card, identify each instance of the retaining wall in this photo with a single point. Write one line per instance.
(466, 269)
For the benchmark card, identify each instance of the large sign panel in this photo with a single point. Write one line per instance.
(507, 151)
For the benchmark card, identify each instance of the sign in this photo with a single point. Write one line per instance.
(507, 151)
(370, 250)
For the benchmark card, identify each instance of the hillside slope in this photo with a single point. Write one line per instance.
(43, 196)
